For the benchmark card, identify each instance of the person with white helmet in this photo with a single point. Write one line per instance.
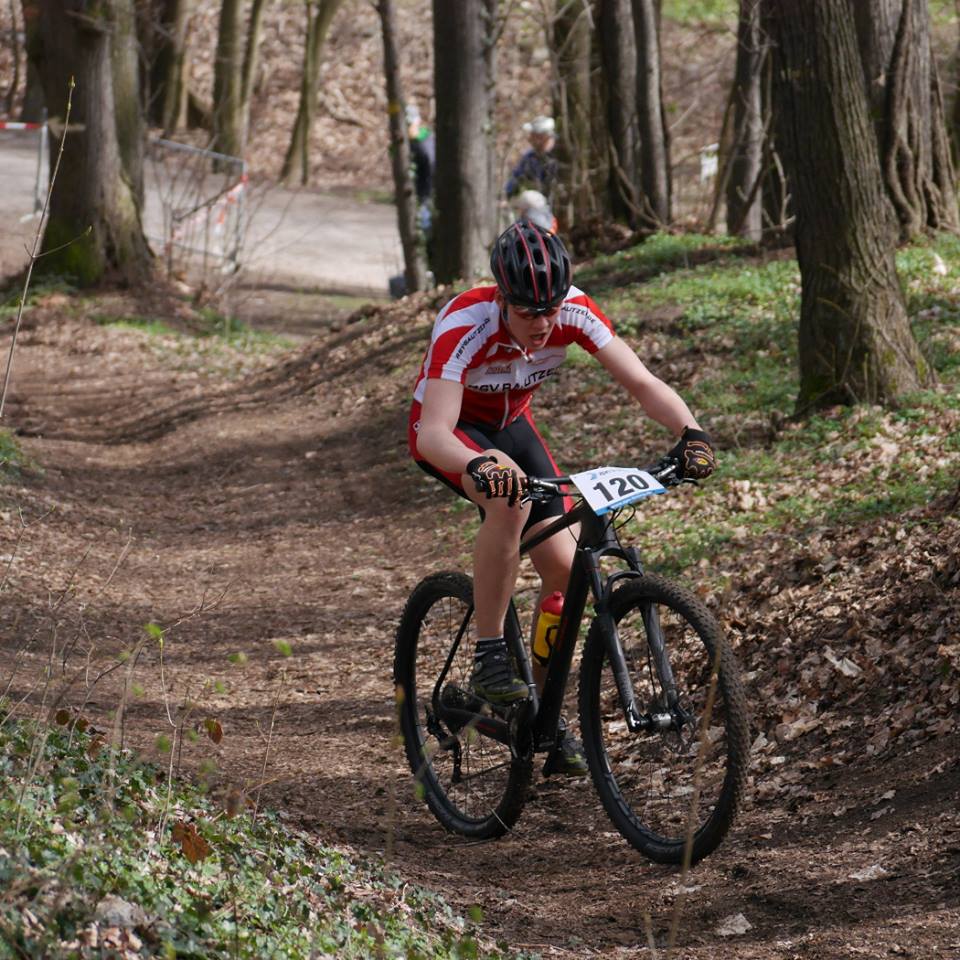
(537, 169)
(533, 206)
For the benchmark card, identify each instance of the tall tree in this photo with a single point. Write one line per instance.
(855, 342)
(131, 131)
(94, 220)
(33, 98)
(618, 59)
(572, 109)
(955, 112)
(251, 56)
(167, 100)
(654, 135)
(414, 269)
(228, 133)
(14, 87)
(744, 197)
(907, 106)
(463, 80)
(296, 163)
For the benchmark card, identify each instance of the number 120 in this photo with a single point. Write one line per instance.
(624, 486)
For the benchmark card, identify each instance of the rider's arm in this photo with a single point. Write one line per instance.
(436, 441)
(660, 402)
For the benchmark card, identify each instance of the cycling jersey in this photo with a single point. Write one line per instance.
(471, 345)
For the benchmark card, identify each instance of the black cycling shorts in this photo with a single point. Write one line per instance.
(519, 440)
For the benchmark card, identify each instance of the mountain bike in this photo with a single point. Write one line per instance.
(662, 710)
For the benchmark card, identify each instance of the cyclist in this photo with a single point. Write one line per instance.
(471, 427)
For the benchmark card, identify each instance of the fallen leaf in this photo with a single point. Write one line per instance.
(194, 847)
(844, 664)
(214, 729)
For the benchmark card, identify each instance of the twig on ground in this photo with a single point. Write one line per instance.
(266, 752)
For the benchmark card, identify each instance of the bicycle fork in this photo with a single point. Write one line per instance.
(635, 720)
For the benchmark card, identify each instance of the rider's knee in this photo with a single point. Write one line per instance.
(499, 515)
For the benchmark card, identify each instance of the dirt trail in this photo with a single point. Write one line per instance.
(281, 507)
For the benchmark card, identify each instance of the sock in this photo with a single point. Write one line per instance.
(486, 645)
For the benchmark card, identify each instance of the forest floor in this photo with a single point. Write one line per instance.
(261, 504)
(255, 502)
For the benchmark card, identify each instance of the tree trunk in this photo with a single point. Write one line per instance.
(855, 342)
(168, 80)
(33, 98)
(251, 55)
(955, 113)
(572, 109)
(414, 271)
(618, 57)
(463, 80)
(654, 136)
(15, 57)
(904, 98)
(94, 223)
(744, 197)
(228, 132)
(777, 200)
(124, 51)
(296, 163)
(600, 155)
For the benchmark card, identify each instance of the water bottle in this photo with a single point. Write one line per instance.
(545, 638)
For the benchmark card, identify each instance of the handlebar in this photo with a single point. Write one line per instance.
(542, 489)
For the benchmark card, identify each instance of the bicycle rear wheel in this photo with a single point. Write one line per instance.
(472, 783)
(658, 784)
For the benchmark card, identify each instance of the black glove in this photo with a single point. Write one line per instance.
(495, 480)
(694, 453)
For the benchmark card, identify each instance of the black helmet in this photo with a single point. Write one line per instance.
(531, 266)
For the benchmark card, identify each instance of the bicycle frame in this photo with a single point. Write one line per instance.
(597, 539)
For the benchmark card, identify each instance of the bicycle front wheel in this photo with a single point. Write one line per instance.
(685, 779)
(472, 783)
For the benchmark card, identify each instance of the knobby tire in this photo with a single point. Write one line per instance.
(646, 780)
(488, 801)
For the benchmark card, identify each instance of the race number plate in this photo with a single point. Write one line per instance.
(607, 488)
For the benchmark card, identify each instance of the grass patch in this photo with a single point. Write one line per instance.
(746, 314)
(724, 329)
(40, 287)
(148, 325)
(853, 467)
(930, 273)
(715, 13)
(217, 345)
(12, 458)
(210, 324)
(657, 254)
(198, 883)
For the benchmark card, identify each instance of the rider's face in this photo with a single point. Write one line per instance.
(531, 330)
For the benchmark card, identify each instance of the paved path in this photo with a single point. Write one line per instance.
(298, 238)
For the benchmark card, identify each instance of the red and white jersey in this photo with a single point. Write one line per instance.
(471, 345)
